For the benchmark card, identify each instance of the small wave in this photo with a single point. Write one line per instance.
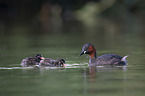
(16, 67)
(75, 65)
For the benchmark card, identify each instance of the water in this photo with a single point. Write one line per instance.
(77, 79)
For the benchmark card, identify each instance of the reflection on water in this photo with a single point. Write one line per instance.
(116, 34)
(76, 79)
(98, 80)
(101, 80)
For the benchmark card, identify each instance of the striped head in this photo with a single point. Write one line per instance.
(39, 57)
(61, 62)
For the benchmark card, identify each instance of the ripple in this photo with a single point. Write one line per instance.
(16, 67)
(75, 65)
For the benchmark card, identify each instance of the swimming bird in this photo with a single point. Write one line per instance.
(103, 59)
(28, 61)
(51, 62)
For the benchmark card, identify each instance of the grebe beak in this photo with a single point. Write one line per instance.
(64, 65)
(83, 52)
(42, 58)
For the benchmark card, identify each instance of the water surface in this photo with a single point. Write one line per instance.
(77, 79)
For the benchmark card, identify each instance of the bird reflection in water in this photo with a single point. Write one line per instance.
(92, 77)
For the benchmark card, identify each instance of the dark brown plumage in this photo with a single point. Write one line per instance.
(29, 61)
(103, 59)
(50, 62)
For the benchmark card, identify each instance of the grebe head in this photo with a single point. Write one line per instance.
(39, 57)
(89, 49)
(61, 62)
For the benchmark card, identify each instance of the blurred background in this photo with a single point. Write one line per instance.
(58, 29)
(29, 27)
(70, 16)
